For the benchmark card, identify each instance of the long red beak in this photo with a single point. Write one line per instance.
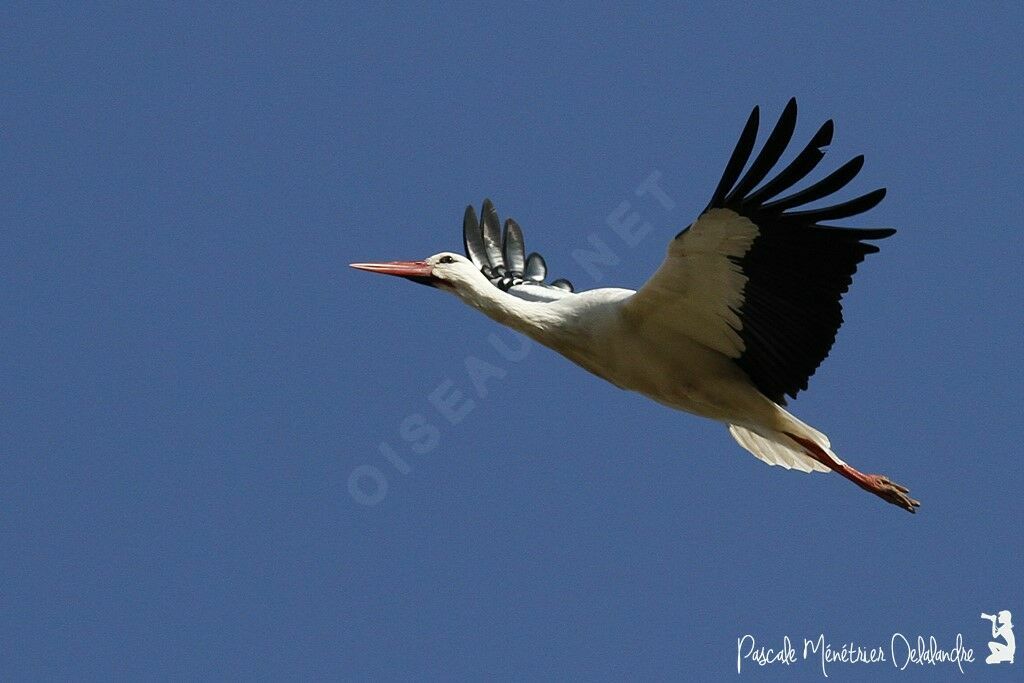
(400, 268)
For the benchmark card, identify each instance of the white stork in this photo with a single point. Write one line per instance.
(743, 310)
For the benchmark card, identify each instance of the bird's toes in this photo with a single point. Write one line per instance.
(895, 494)
(901, 489)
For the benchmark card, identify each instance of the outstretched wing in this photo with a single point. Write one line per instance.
(501, 256)
(759, 278)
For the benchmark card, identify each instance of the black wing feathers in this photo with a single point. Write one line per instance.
(737, 161)
(796, 269)
(797, 169)
(853, 207)
(515, 249)
(473, 241)
(770, 154)
(834, 182)
(492, 237)
(501, 257)
(536, 269)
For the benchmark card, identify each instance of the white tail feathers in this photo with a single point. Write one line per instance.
(782, 451)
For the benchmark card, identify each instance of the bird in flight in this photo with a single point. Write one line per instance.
(740, 314)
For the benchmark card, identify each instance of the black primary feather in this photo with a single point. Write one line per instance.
(737, 161)
(536, 269)
(515, 249)
(492, 237)
(473, 240)
(562, 283)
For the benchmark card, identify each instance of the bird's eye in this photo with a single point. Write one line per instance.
(446, 259)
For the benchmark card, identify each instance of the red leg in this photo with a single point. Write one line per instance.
(875, 483)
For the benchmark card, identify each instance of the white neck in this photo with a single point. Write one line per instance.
(538, 320)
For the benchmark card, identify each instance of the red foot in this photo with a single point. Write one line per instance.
(888, 490)
(875, 483)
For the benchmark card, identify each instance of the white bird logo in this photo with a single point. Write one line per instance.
(741, 313)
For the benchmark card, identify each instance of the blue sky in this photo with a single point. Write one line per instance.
(191, 374)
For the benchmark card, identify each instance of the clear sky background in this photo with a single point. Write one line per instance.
(191, 374)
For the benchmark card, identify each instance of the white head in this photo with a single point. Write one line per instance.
(457, 274)
(446, 271)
